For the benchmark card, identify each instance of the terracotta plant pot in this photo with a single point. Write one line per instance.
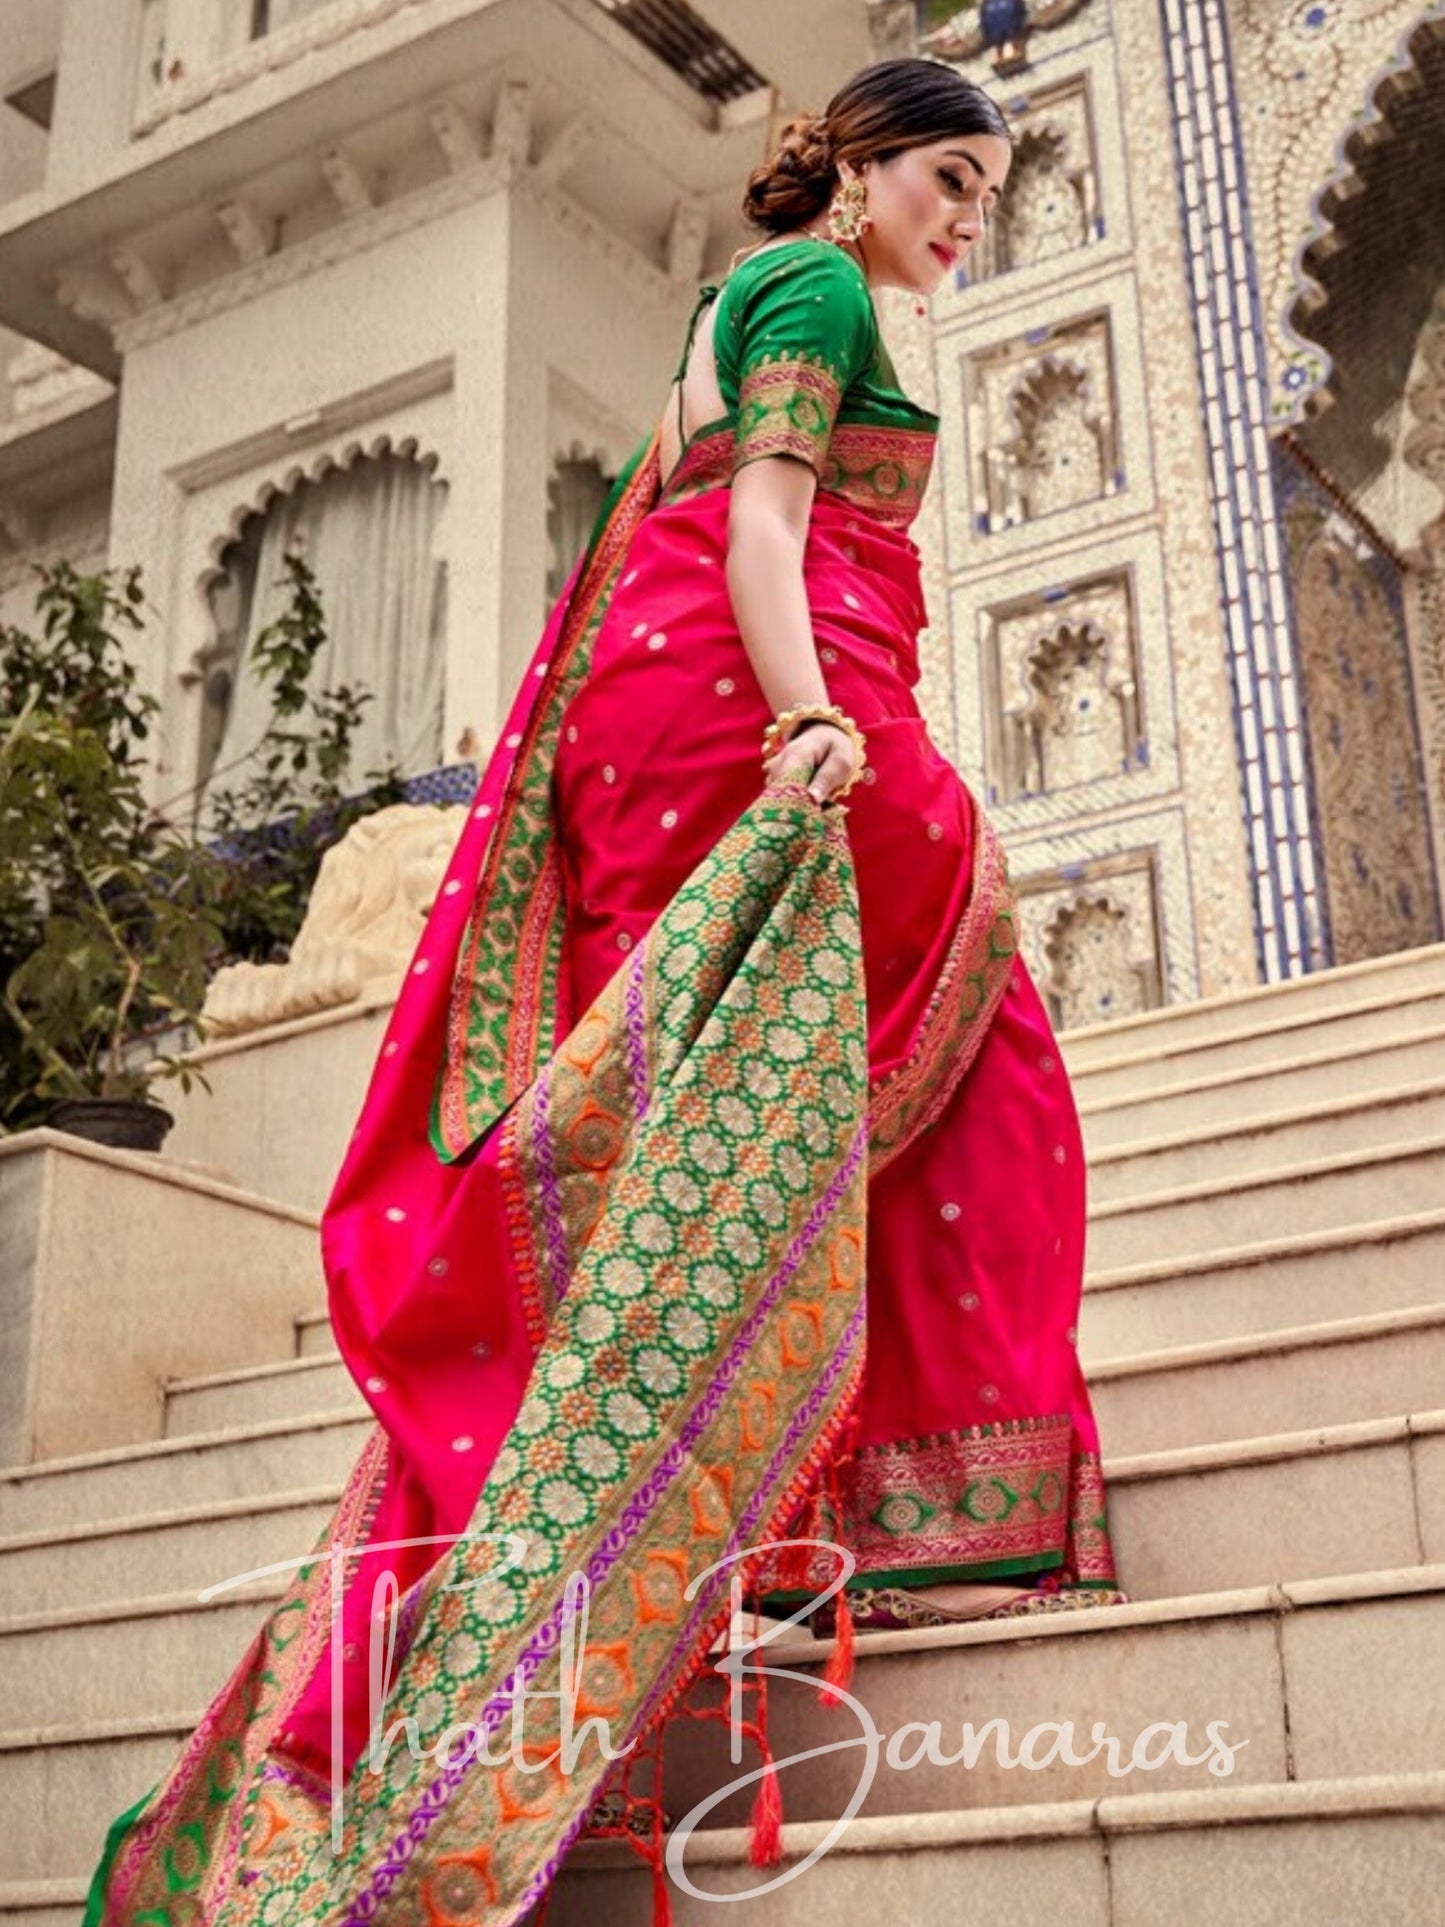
(124, 1123)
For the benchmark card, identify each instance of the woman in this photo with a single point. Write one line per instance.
(690, 1050)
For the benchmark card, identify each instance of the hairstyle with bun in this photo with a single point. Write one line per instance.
(878, 113)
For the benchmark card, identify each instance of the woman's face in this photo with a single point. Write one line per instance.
(928, 206)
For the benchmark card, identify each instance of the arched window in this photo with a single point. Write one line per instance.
(367, 531)
(576, 490)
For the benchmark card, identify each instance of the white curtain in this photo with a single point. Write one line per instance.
(367, 533)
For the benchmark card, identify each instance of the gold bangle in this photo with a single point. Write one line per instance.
(784, 727)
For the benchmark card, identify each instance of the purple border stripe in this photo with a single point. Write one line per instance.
(552, 1226)
(634, 1517)
(636, 1002)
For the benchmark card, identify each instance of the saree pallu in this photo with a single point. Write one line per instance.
(709, 1058)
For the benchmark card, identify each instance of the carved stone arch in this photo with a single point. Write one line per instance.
(1075, 719)
(578, 482)
(1368, 593)
(385, 525)
(1099, 967)
(1059, 452)
(1045, 210)
(1388, 178)
(322, 463)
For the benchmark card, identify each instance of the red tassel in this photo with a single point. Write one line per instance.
(765, 1837)
(661, 1898)
(839, 1670)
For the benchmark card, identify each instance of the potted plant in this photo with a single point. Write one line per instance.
(104, 922)
(111, 916)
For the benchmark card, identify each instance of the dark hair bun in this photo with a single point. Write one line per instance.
(880, 112)
(798, 182)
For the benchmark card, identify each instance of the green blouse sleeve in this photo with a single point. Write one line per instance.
(803, 329)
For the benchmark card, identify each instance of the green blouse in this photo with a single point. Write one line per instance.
(804, 371)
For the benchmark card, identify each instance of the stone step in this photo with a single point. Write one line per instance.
(1168, 1062)
(277, 1456)
(1328, 1127)
(1256, 1510)
(1351, 1852)
(1247, 1512)
(188, 1548)
(124, 1659)
(1263, 1286)
(1241, 1493)
(259, 1392)
(1268, 1663)
(1229, 1097)
(1279, 1381)
(71, 1782)
(313, 1333)
(1263, 1664)
(1319, 1194)
(41, 1903)
(1179, 1026)
(1356, 1850)
(1382, 1266)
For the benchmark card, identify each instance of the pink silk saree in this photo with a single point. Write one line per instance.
(718, 1177)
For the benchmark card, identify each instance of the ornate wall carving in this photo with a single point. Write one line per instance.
(1309, 78)
(1064, 678)
(1050, 206)
(1423, 450)
(1374, 832)
(1043, 422)
(1092, 939)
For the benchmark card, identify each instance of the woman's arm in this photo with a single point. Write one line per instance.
(771, 502)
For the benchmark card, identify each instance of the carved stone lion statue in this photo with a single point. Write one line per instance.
(366, 912)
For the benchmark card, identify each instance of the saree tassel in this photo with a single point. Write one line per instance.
(765, 1827)
(839, 1670)
(765, 1830)
(661, 1898)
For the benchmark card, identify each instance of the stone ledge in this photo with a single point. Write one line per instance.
(1266, 1251)
(120, 1270)
(1064, 1819)
(185, 1442)
(1279, 1174)
(158, 1168)
(1317, 1110)
(1288, 1338)
(1265, 996)
(1244, 1073)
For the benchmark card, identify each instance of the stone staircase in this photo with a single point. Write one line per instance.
(1264, 1333)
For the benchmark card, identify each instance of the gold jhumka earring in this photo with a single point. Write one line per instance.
(848, 218)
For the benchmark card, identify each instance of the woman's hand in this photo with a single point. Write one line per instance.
(822, 753)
